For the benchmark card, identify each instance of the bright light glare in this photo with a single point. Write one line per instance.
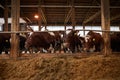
(36, 16)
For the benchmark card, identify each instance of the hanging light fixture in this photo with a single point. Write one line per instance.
(36, 16)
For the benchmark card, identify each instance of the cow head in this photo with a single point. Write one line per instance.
(72, 41)
(58, 40)
(94, 42)
(28, 41)
(89, 43)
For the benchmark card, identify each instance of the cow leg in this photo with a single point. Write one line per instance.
(1, 49)
(67, 50)
(35, 49)
(97, 48)
(44, 50)
(51, 49)
(72, 48)
(30, 50)
(78, 48)
(6, 51)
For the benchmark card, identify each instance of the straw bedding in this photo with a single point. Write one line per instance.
(94, 67)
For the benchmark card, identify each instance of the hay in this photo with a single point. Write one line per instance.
(95, 67)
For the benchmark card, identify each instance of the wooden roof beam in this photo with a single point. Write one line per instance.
(73, 15)
(40, 11)
(115, 17)
(68, 16)
(97, 14)
(25, 18)
(43, 16)
(28, 19)
(92, 17)
(2, 6)
(64, 6)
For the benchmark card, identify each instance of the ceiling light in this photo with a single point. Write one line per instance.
(36, 16)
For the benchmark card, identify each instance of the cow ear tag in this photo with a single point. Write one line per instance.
(75, 33)
(93, 39)
(6, 40)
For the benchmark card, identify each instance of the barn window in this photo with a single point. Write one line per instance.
(54, 28)
(114, 28)
(1, 28)
(35, 28)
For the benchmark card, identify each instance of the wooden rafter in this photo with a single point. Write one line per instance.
(92, 17)
(40, 11)
(43, 16)
(2, 6)
(115, 17)
(68, 16)
(62, 6)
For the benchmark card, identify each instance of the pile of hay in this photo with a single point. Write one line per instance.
(94, 67)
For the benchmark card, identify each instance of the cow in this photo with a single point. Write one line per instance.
(22, 40)
(4, 42)
(49, 41)
(115, 41)
(72, 41)
(93, 42)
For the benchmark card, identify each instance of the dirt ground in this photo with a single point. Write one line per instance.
(60, 67)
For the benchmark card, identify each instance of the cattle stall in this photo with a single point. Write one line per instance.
(62, 54)
(73, 16)
(59, 42)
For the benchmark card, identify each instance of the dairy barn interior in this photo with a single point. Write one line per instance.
(73, 58)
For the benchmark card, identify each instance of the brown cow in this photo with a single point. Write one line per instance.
(44, 40)
(115, 41)
(93, 41)
(72, 41)
(4, 42)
